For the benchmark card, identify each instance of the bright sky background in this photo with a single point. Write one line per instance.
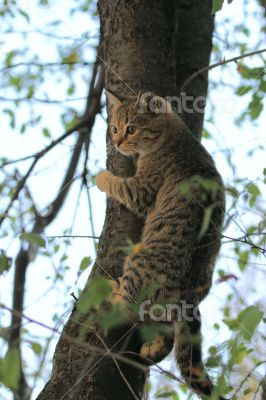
(41, 302)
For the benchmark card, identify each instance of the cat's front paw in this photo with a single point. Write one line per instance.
(103, 179)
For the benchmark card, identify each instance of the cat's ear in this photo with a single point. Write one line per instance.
(113, 101)
(159, 105)
(142, 94)
(155, 104)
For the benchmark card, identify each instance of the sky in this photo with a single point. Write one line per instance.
(41, 301)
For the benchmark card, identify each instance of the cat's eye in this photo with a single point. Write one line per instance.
(114, 129)
(131, 129)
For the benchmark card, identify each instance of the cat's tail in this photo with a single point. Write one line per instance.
(187, 349)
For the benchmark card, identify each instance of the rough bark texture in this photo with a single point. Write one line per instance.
(154, 46)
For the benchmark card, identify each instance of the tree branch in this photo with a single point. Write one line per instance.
(36, 157)
(244, 240)
(45, 65)
(40, 100)
(217, 64)
(84, 127)
(41, 153)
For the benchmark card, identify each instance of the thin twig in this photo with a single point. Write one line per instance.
(37, 157)
(20, 185)
(217, 64)
(40, 100)
(52, 35)
(73, 236)
(41, 153)
(245, 241)
(45, 65)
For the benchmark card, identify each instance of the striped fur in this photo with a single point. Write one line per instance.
(180, 261)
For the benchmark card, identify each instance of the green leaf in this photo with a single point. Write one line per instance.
(12, 117)
(10, 369)
(217, 5)
(85, 263)
(246, 322)
(255, 107)
(9, 57)
(23, 128)
(166, 392)
(249, 319)
(31, 91)
(71, 89)
(5, 263)
(24, 14)
(114, 317)
(206, 221)
(33, 238)
(46, 132)
(262, 86)
(243, 258)
(213, 361)
(232, 191)
(254, 191)
(232, 324)
(98, 290)
(36, 347)
(242, 90)
(205, 134)
(213, 350)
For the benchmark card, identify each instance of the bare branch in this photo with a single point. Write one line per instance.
(18, 189)
(53, 35)
(246, 240)
(84, 127)
(36, 157)
(73, 236)
(45, 65)
(40, 100)
(217, 64)
(41, 153)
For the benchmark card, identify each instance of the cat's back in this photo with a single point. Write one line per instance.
(189, 180)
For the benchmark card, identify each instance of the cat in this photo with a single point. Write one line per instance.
(179, 193)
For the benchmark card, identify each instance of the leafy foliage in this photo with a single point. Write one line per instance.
(10, 369)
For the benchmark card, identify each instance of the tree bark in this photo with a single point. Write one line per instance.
(154, 47)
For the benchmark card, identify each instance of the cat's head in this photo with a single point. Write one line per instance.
(138, 124)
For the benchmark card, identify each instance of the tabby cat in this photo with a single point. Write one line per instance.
(179, 194)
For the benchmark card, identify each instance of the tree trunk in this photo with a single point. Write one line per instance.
(153, 46)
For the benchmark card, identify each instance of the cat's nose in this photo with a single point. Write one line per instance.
(119, 141)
